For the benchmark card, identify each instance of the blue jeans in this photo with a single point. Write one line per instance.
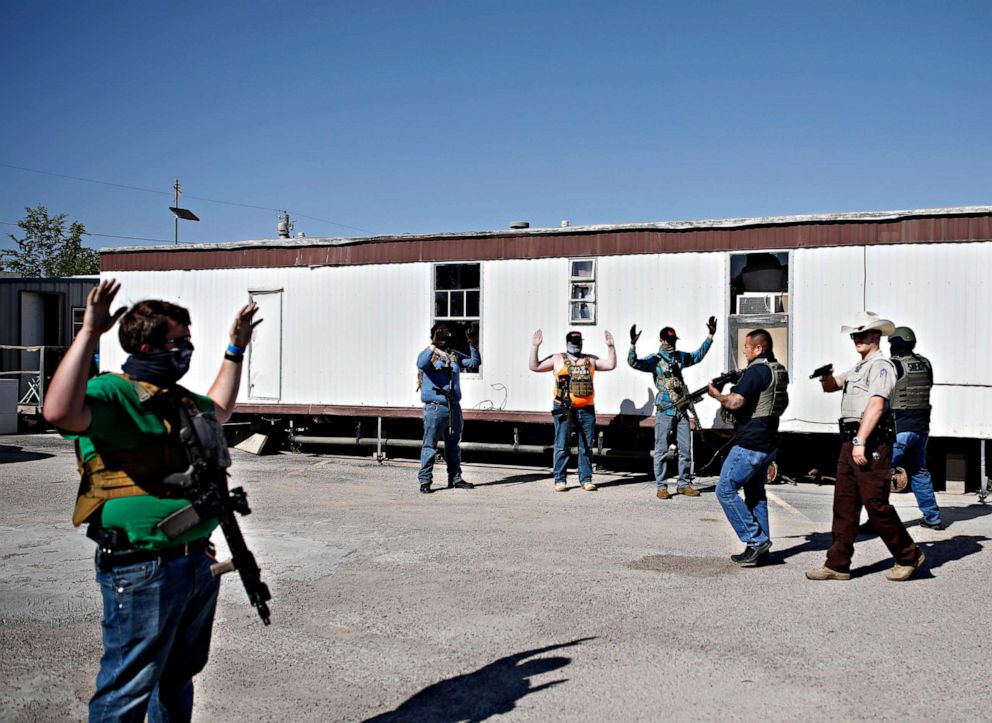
(910, 449)
(157, 620)
(586, 419)
(435, 430)
(662, 426)
(746, 468)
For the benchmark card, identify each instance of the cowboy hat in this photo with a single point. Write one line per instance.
(869, 321)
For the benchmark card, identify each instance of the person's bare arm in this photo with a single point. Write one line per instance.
(535, 364)
(731, 400)
(224, 391)
(65, 397)
(610, 363)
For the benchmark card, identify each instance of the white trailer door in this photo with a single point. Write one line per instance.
(265, 351)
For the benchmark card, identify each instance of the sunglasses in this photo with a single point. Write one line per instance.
(860, 335)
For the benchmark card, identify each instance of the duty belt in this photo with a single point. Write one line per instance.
(882, 434)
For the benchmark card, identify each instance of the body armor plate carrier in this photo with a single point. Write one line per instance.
(580, 375)
(128, 473)
(912, 390)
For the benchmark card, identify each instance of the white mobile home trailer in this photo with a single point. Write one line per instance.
(345, 317)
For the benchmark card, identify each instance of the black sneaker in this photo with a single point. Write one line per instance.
(741, 556)
(425, 488)
(755, 554)
(461, 485)
(935, 526)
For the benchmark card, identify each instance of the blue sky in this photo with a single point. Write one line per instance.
(392, 117)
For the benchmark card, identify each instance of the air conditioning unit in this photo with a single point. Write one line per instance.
(761, 303)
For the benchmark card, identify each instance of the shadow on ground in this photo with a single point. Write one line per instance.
(488, 691)
(9, 454)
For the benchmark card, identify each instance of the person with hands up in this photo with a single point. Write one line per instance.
(671, 412)
(574, 397)
(159, 594)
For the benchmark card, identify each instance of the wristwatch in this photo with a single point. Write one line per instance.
(858, 442)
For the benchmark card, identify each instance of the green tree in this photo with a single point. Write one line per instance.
(49, 250)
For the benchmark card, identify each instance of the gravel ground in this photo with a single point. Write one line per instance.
(514, 602)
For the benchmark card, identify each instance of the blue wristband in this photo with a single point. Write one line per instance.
(236, 350)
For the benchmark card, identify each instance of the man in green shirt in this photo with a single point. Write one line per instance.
(159, 595)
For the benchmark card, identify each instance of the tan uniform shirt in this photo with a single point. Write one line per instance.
(872, 377)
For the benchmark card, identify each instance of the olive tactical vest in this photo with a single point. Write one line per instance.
(912, 390)
(775, 397)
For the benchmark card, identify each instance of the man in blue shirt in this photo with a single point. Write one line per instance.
(666, 368)
(440, 367)
(755, 403)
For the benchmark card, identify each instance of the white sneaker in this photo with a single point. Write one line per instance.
(589, 486)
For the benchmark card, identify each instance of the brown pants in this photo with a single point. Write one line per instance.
(868, 487)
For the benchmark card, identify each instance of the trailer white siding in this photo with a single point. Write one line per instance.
(350, 334)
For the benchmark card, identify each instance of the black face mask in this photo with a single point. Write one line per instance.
(163, 367)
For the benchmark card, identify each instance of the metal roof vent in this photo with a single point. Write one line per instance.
(520, 224)
(565, 223)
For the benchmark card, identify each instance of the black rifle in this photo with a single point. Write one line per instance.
(204, 484)
(719, 382)
(449, 393)
(822, 371)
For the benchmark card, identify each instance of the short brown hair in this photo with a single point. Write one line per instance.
(147, 322)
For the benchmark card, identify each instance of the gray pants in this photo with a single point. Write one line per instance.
(662, 425)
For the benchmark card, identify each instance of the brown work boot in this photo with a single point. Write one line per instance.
(689, 491)
(901, 573)
(825, 573)
(663, 493)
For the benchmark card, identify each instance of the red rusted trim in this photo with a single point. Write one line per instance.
(944, 229)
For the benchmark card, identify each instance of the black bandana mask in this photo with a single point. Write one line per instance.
(164, 367)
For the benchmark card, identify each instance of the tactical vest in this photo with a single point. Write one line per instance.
(128, 473)
(668, 378)
(580, 373)
(775, 397)
(912, 390)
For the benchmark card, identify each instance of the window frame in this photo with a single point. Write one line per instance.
(463, 319)
(578, 281)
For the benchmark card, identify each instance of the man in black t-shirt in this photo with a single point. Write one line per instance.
(755, 403)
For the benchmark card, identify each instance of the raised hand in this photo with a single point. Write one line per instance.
(609, 338)
(243, 325)
(97, 318)
(711, 325)
(537, 338)
(634, 335)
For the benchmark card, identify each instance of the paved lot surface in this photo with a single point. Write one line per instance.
(512, 602)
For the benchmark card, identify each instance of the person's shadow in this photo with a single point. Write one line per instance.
(490, 690)
(518, 479)
(10, 454)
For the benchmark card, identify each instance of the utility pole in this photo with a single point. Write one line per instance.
(178, 190)
(179, 213)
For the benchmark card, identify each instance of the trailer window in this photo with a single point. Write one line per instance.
(582, 291)
(457, 298)
(77, 319)
(759, 299)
